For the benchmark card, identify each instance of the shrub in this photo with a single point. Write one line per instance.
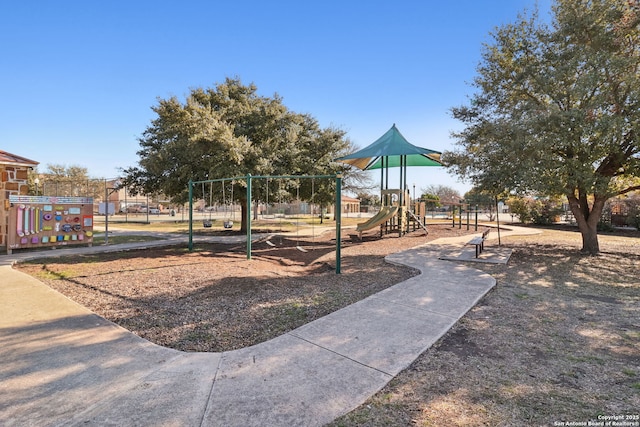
(545, 212)
(633, 204)
(537, 211)
(605, 226)
(520, 207)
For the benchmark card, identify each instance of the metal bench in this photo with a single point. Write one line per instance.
(478, 241)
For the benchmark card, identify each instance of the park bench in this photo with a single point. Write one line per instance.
(478, 241)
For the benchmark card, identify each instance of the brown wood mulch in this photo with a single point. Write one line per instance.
(214, 299)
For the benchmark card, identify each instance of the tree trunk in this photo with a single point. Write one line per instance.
(590, 241)
(243, 214)
(587, 219)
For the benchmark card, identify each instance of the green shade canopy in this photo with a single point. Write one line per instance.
(392, 147)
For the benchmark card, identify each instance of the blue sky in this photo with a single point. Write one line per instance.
(78, 79)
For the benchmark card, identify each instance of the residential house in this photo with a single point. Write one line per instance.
(14, 173)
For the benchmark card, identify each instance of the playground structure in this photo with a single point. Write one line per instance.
(248, 182)
(392, 150)
(389, 151)
(396, 215)
(392, 215)
(386, 214)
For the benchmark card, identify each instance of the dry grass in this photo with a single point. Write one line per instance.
(557, 340)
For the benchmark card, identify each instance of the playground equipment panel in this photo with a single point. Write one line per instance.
(43, 221)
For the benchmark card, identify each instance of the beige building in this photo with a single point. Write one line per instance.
(14, 174)
(350, 205)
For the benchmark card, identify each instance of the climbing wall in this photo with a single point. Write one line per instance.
(41, 221)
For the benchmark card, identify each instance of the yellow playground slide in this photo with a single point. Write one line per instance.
(385, 213)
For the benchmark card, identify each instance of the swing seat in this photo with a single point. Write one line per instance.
(206, 224)
(228, 224)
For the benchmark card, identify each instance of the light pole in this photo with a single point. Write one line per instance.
(107, 192)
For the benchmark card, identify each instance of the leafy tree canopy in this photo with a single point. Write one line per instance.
(432, 201)
(557, 109)
(445, 194)
(228, 131)
(368, 199)
(482, 199)
(72, 172)
(65, 180)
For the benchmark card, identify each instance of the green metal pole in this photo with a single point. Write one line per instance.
(338, 220)
(106, 213)
(498, 221)
(249, 216)
(190, 215)
(401, 202)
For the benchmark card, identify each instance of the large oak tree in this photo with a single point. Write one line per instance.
(557, 109)
(229, 131)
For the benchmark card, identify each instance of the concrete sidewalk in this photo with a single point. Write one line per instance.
(64, 365)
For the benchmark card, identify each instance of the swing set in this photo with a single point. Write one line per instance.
(248, 179)
(299, 208)
(228, 222)
(229, 218)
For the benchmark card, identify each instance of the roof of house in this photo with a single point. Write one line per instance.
(13, 159)
(349, 199)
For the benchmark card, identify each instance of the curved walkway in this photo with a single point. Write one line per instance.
(61, 364)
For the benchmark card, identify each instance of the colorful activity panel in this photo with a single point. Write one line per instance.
(42, 221)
